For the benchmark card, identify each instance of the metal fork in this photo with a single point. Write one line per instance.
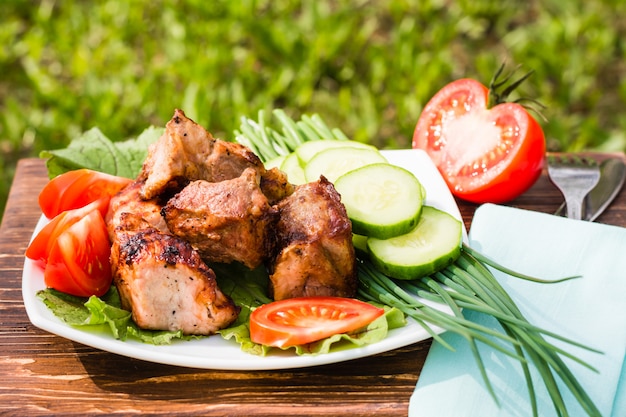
(574, 176)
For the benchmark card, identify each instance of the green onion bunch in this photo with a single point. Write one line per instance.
(465, 285)
(268, 142)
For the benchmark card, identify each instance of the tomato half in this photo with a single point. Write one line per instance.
(75, 189)
(78, 262)
(302, 320)
(484, 154)
(39, 248)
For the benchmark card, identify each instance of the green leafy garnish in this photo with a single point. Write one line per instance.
(468, 285)
(93, 150)
(103, 314)
(249, 289)
(372, 333)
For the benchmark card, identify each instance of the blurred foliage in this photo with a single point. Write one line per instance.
(366, 66)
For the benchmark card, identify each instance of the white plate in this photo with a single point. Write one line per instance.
(216, 353)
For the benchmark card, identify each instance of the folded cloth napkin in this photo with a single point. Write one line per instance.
(590, 310)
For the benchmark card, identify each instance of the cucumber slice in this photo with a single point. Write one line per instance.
(359, 242)
(334, 162)
(275, 162)
(382, 200)
(308, 150)
(431, 246)
(291, 167)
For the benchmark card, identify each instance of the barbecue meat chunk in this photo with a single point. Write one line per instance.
(225, 221)
(275, 185)
(176, 157)
(163, 281)
(228, 160)
(129, 201)
(314, 254)
(187, 152)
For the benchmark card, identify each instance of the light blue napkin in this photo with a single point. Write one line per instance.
(590, 310)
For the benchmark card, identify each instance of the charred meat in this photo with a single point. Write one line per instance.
(163, 281)
(225, 221)
(314, 254)
(187, 152)
(275, 185)
(128, 200)
(199, 199)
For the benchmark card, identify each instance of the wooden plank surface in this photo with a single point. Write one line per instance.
(43, 374)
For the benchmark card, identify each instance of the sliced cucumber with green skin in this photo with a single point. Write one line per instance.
(275, 162)
(431, 246)
(382, 200)
(308, 150)
(334, 162)
(291, 167)
(359, 242)
(423, 190)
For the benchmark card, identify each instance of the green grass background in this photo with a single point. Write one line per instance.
(366, 66)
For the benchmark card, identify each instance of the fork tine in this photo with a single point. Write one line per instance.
(574, 175)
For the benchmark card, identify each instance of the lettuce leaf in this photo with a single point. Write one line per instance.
(93, 150)
(104, 314)
(372, 333)
(247, 288)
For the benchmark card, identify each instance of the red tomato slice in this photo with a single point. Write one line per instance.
(39, 248)
(484, 154)
(302, 320)
(78, 263)
(75, 189)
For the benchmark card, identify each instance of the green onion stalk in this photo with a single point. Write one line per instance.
(465, 285)
(269, 143)
(468, 284)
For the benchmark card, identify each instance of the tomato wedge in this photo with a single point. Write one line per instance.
(40, 246)
(78, 261)
(484, 154)
(302, 320)
(75, 189)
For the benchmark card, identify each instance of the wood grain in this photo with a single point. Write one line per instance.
(43, 374)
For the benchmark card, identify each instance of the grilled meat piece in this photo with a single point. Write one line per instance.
(187, 152)
(314, 254)
(228, 160)
(275, 185)
(163, 281)
(225, 221)
(129, 201)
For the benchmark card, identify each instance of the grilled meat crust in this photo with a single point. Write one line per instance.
(163, 281)
(187, 152)
(314, 254)
(225, 221)
(128, 200)
(275, 185)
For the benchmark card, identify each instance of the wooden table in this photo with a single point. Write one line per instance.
(43, 374)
